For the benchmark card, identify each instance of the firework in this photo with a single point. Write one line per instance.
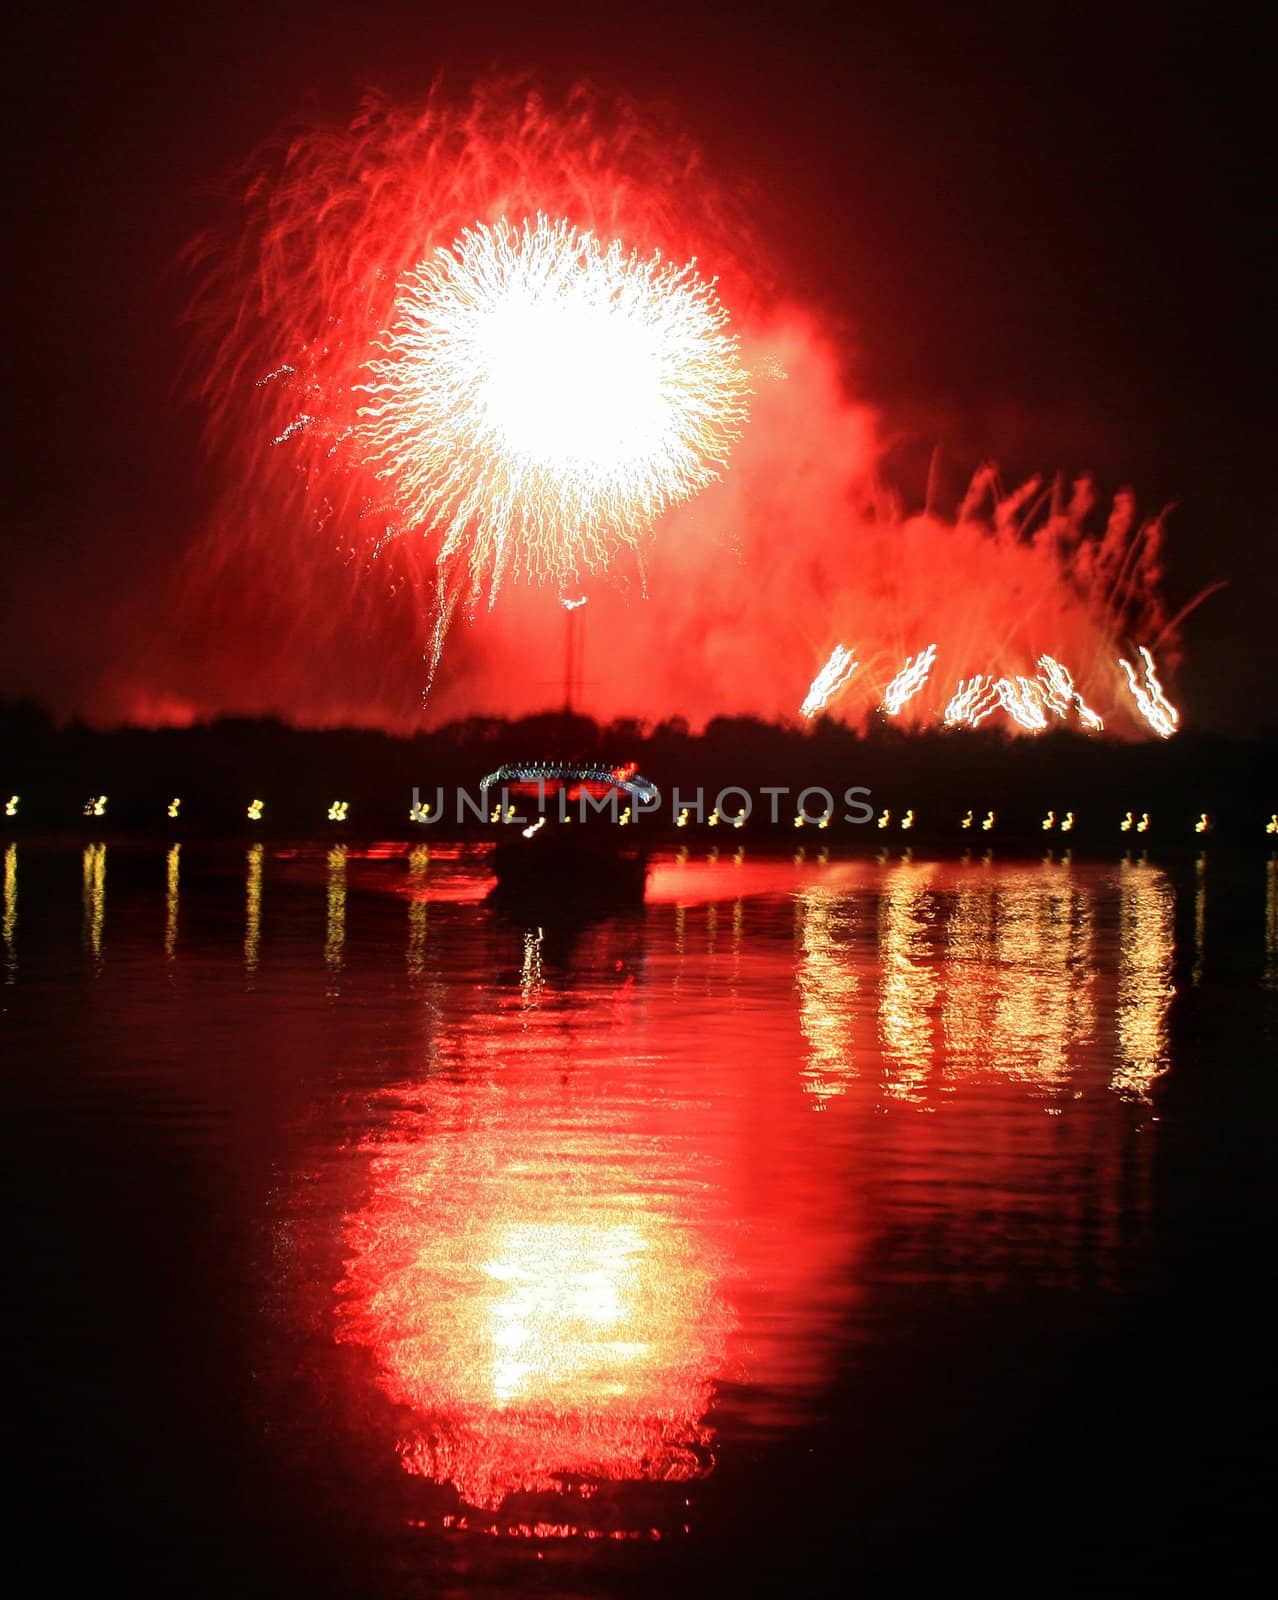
(971, 702)
(832, 677)
(1147, 692)
(540, 398)
(1020, 698)
(907, 683)
(1060, 694)
(351, 263)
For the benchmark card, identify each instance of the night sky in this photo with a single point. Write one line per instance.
(1042, 238)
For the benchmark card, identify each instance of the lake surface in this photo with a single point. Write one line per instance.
(894, 1219)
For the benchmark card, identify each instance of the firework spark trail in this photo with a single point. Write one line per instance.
(972, 701)
(907, 683)
(1022, 701)
(540, 398)
(832, 677)
(1153, 704)
(1060, 694)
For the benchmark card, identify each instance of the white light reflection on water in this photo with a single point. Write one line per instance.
(1147, 949)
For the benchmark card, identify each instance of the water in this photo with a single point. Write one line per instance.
(897, 1218)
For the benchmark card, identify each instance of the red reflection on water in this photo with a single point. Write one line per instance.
(612, 1194)
(543, 1334)
(535, 1274)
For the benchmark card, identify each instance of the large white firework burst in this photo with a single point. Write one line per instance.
(540, 398)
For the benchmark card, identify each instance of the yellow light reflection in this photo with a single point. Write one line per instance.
(908, 986)
(335, 928)
(418, 909)
(171, 900)
(971, 994)
(10, 921)
(1042, 947)
(828, 991)
(531, 980)
(1145, 988)
(94, 897)
(1200, 918)
(252, 907)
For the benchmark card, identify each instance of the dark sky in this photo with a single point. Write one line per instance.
(1043, 234)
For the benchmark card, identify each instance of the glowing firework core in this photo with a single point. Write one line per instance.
(569, 384)
(540, 399)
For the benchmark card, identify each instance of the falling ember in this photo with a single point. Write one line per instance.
(907, 683)
(541, 397)
(1153, 704)
(832, 677)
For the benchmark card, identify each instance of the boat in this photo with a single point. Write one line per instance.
(568, 833)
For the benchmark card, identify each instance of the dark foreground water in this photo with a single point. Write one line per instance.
(823, 1227)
